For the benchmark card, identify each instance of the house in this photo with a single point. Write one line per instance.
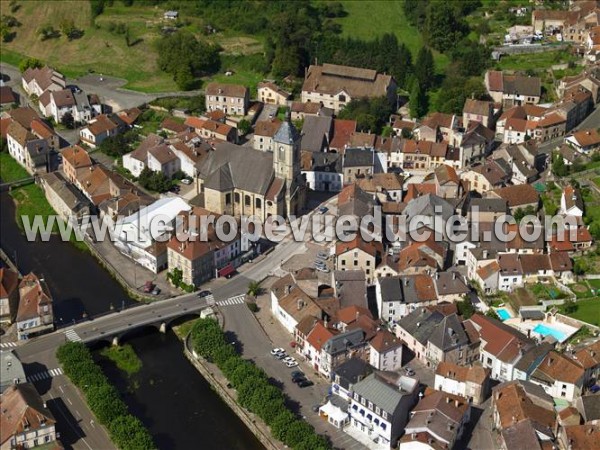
(75, 159)
(37, 81)
(584, 141)
(274, 186)
(35, 313)
(473, 143)
(334, 86)
(7, 97)
(316, 133)
(340, 347)
(350, 287)
(511, 90)
(520, 196)
(589, 358)
(501, 348)
(416, 258)
(358, 255)
(341, 134)
(487, 276)
(560, 376)
(9, 294)
(98, 129)
(571, 202)
(25, 420)
(264, 131)
(300, 110)
(579, 436)
(480, 111)
(358, 163)
(171, 126)
(347, 374)
(323, 171)
(438, 421)
(398, 296)
(523, 414)
(416, 328)
(212, 129)
(436, 127)
(191, 150)
(271, 94)
(152, 153)
(388, 186)
(232, 99)
(446, 181)
(589, 408)
(489, 175)
(450, 286)
(385, 351)
(472, 383)
(57, 104)
(68, 201)
(379, 408)
(135, 239)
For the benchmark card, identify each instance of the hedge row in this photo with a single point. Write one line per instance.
(126, 431)
(255, 393)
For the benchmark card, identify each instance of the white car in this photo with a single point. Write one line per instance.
(292, 363)
(288, 359)
(186, 181)
(276, 351)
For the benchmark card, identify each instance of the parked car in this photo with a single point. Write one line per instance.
(323, 255)
(305, 383)
(149, 287)
(322, 269)
(320, 263)
(288, 359)
(203, 294)
(156, 291)
(409, 371)
(186, 181)
(275, 351)
(175, 188)
(299, 379)
(281, 355)
(292, 363)
(297, 373)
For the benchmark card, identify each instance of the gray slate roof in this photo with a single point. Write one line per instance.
(341, 342)
(316, 132)
(427, 205)
(358, 157)
(421, 323)
(352, 371)
(589, 407)
(391, 289)
(287, 133)
(382, 394)
(247, 169)
(449, 334)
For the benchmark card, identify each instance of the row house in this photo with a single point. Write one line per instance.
(437, 127)
(480, 111)
(191, 150)
(100, 128)
(264, 130)
(472, 382)
(35, 314)
(560, 376)
(78, 104)
(9, 294)
(358, 255)
(271, 94)
(300, 110)
(36, 81)
(212, 130)
(323, 171)
(588, 79)
(399, 296)
(512, 90)
(66, 200)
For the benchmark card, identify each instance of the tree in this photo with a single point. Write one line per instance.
(187, 58)
(175, 276)
(570, 307)
(68, 121)
(48, 32)
(254, 289)
(492, 313)
(69, 29)
(425, 68)
(417, 101)
(105, 402)
(442, 30)
(559, 168)
(370, 114)
(30, 63)
(244, 126)
(465, 308)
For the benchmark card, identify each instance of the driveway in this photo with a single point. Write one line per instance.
(267, 112)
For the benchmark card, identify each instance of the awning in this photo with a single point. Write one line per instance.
(227, 270)
(333, 412)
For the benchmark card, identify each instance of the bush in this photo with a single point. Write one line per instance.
(126, 431)
(252, 306)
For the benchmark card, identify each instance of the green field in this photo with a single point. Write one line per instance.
(535, 61)
(10, 170)
(587, 311)
(369, 19)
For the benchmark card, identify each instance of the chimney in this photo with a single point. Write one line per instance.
(300, 304)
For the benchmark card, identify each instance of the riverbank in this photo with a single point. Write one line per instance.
(219, 383)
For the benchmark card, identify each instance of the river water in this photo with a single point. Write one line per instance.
(168, 395)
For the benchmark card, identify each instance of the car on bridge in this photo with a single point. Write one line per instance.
(203, 294)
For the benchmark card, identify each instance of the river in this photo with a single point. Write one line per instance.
(174, 401)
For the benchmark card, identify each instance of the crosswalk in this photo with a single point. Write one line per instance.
(72, 335)
(237, 300)
(8, 344)
(44, 375)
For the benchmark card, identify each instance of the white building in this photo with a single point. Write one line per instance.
(385, 351)
(560, 376)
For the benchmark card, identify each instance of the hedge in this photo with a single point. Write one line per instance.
(126, 431)
(255, 393)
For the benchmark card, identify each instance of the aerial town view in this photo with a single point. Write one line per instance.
(300, 224)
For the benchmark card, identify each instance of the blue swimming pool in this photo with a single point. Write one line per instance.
(503, 314)
(545, 331)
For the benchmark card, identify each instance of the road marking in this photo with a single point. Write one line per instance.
(237, 300)
(8, 344)
(74, 428)
(72, 335)
(61, 389)
(44, 375)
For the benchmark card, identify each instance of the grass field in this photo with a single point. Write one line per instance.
(369, 19)
(587, 311)
(10, 170)
(535, 61)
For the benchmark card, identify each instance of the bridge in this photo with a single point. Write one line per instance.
(112, 327)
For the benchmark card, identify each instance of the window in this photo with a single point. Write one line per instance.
(247, 200)
(343, 262)
(377, 411)
(228, 199)
(363, 401)
(355, 262)
(370, 405)
(258, 203)
(384, 415)
(236, 196)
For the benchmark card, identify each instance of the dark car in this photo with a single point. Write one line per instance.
(297, 373)
(298, 379)
(305, 383)
(203, 294)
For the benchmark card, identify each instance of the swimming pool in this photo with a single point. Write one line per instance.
(545, 331)
(503, 314)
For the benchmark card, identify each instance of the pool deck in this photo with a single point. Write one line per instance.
(527, 325)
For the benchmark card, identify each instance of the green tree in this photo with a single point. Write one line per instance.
(492, 313)
(417, 101)
(465, 308)
(244, 127)
(105, 402)
(68, 121)
(70, 30)
(254, 289)
(129, 433)
(370, 114)
(30, 63)
(424, 68)
(559, 168)
(48, 32)
(442, 30)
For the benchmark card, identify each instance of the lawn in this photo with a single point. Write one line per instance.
(369, 19)
(124, 357)
(184, 329)
(581, 290)
(10, 170)
(535, 61)
(587, 311)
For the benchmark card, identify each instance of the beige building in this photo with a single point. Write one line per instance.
(230, 98)
(359, 255)
(68, 202)
(264, 132)
(238, 181)
(270, 93)
(335, 86)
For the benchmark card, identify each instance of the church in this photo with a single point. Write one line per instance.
(238, 181)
